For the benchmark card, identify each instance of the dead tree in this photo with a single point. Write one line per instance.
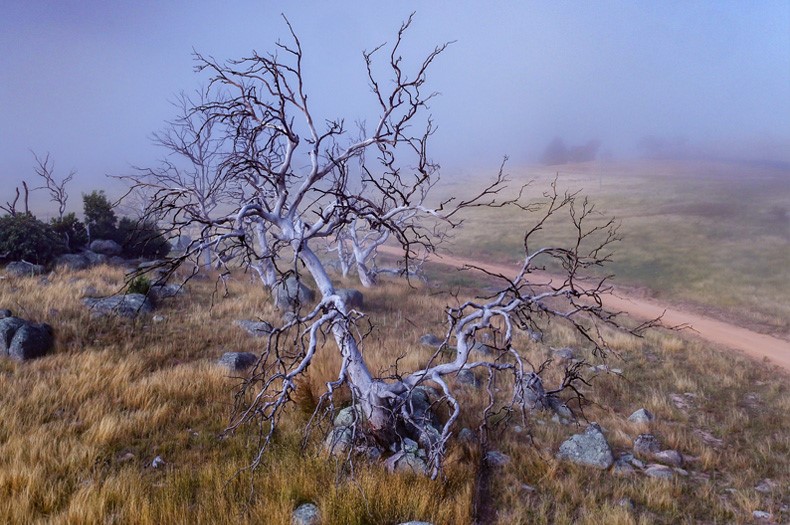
(189, 175)
(273, 132)
(57, 190)
(10, 206)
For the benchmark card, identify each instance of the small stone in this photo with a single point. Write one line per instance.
(589, 448)
(659, 471)
(682, 472)
(306, 514)
(766, 486)
(761, 515)
(623, 468)
(496, 458)
(158, 318)
(646, 444)
(467, 436)
(518, 429)
(563, 353)
(415, 523)
(528, 488)
(255, 328)
(237, 361)
(641, 416)
(431, 340)
(627, 503)
(158, 462)
(672, 458)
(467, 377)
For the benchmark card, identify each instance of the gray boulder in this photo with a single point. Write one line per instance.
(23, 269)
(659, 471)
(409, 461)
(31, 341)
(306, 514)
(353, 298)
(641, 416)
(339, 441)
(129, 305)
(646, 444)
(164, 291)
(291, 294)
(5, 312)
(8, 328)
(431, 340)
(495, 458)
(467, 377)
(347, 416)
(669, 457)
(72, 261)
(237, 361)
(563, 353)
(105, 247)
(589, 448)
(93, 258)
(255, 328)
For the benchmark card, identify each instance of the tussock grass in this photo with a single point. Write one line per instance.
(81, 427)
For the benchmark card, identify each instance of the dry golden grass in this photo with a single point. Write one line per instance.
(81, 427)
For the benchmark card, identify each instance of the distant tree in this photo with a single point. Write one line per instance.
(141, 238)
(555, 153)
(100, 219)
(71, 230)
(57, 190)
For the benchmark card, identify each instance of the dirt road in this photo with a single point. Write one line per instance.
(721, 333)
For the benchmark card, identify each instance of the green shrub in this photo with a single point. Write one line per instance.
(100, 219)
(140, 284)
(141, 238)
(23, 237)
(71, 231)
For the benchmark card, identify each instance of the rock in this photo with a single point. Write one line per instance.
(559, 407)
(237, 361)
(623, 467)
(589, 448)
(467, 435)
(467, 377)
(72, 261)
(94, 258)
(164, 291)
(563, 353)
(23, 269)
(766, 486)
(306, 514)
(255, 328)
(410, 462)
(129, 305)
(431, 340)
(31, 341)
(291, 294)
(646, 444)
(5, 312)
(659, 471)
(415, 523)
(495, 458)
(158, 462)
(158, 318)
(761, 515)
(626, 503)
(8, 328)
(339, 441)
(105, 247)
(672, 458)
(641, 416)
(347, 416)
(535, 336)
(528, 488)
(708, 438)
(353, 298)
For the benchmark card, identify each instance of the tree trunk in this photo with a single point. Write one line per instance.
(369, 390)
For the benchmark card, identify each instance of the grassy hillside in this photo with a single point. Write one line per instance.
(80, 428)
(713, 236)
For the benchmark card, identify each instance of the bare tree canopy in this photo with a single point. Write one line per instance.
(57, 190)
(290, 181)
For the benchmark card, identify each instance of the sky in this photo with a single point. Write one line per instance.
(90, 81)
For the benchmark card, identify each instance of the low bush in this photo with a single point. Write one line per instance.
(23, 237)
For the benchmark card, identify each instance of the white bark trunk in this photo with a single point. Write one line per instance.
(361, 380)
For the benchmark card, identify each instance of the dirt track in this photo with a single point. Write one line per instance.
(714, 331)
